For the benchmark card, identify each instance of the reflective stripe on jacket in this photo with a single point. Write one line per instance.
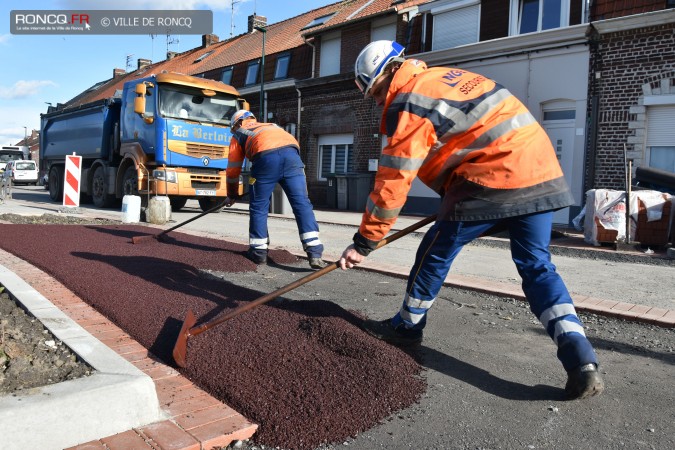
(467, 138)
(248, 141)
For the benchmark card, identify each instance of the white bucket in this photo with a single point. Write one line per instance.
(159, 210)
(131, 209)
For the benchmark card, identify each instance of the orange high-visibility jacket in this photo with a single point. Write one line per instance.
(467, 138)
(250, 140)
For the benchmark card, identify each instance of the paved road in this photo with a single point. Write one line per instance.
(493, 380)
(601, 276)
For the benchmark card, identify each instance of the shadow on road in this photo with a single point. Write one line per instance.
(484, 380)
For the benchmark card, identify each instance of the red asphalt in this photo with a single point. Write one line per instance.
(147, 289)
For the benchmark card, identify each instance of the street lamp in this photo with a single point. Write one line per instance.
(263, 30)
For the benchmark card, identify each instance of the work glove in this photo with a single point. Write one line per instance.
(230, 201)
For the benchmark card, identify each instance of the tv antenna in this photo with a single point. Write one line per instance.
(152, 50)
(170, 40)
(129, 65)
(234, 2)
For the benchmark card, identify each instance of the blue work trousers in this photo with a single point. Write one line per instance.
(545, 290)
(284, 167)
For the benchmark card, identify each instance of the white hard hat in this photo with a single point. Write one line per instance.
(372, 60)
(239, 116)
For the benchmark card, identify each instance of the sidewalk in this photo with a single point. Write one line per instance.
(594, 283)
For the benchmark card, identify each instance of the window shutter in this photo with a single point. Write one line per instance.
(330, 57)
(660, 129)
(456, 27)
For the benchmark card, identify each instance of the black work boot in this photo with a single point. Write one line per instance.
(385, 331)
(257, 257)
(317, 263)
(584, 381)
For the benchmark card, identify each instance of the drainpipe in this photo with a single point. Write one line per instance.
(313, 54)
(297, 126)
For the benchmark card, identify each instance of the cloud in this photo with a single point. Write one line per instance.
(4, 38)
(10, 136)
(24, 88)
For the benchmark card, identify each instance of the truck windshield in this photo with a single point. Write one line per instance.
(9, 155)
(186, 103)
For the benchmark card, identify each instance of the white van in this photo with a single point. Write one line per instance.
(22, 171)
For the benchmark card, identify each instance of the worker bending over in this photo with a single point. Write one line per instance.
(275, 158)
(470, 140)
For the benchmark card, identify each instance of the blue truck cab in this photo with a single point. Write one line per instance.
(165, 134)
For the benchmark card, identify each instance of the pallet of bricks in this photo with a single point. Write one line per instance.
(651, 217)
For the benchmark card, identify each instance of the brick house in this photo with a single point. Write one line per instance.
(496, 38)
(570, 71)
(632, 90)
(596, 74)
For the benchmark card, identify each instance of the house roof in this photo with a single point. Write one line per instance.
(280, 37)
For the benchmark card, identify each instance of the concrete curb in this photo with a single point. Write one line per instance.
(65, 414)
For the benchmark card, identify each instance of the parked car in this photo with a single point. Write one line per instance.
(22, 171)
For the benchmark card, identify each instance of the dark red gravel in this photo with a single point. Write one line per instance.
(302, 370)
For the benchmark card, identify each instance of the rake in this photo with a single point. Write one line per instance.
(189, 329)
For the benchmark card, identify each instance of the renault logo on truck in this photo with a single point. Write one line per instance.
(206, 160)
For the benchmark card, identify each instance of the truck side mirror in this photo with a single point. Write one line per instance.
(139, 105)
(139, 102)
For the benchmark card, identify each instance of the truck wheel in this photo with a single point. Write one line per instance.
(56, 183)
(99, 189)
(130, 182)
(206, 203)
(177, 203)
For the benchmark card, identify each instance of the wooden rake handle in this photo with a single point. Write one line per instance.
(312, 276)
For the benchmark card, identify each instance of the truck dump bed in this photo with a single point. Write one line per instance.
(85, 130)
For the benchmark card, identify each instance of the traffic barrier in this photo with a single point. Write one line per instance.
(71, 186)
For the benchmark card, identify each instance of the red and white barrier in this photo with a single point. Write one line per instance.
(71, 185)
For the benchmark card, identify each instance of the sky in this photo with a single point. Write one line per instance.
(39, 69)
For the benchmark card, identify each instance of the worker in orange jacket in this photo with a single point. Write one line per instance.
(475, 144)
(275, 158)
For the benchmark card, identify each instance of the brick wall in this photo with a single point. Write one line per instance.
(608, 9)
(337, 107)
(630, 64)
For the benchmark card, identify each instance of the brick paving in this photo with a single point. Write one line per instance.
(195, 419)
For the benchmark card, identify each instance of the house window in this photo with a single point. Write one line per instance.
(329, 62)
(529, 16)
(252, 73)
(383, 29)
(335, 155)
(453, 23)
(281, 69)
(661, 137)
(203, 56)
(226, 75)
(538, 15)
(319, 21)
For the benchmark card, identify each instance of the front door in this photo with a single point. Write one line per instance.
(561, 133)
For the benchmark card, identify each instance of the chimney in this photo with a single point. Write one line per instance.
(118, 72)
(170, 55)
(256, 21)
(209, 39)
(143, 62)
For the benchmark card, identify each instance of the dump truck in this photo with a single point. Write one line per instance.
(166, 134)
